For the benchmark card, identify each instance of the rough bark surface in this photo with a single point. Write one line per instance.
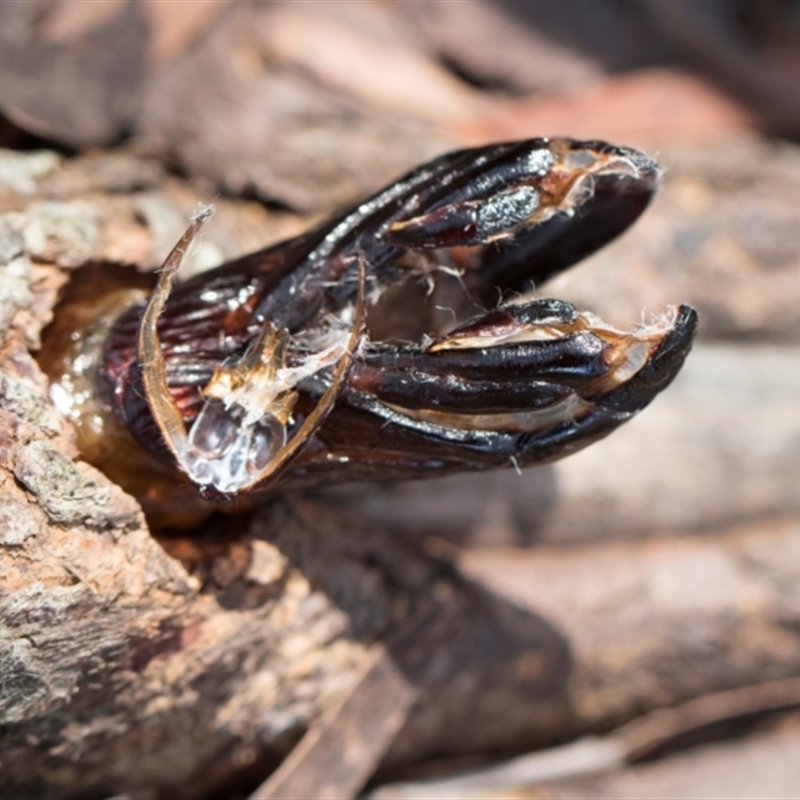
(365, 634)
(177, 668)
(135, 666)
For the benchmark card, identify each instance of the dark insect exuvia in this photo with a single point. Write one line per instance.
(394, 341)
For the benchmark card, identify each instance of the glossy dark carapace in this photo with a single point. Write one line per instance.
(395, 341)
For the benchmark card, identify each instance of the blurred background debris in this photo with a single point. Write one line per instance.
(622, 623)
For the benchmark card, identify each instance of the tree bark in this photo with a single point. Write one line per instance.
(182, 667)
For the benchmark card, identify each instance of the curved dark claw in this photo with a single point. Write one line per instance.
(523, 383)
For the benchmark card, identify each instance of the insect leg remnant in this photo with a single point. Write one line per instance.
(239, 439)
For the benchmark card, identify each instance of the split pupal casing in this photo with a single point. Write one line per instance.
(527, 382)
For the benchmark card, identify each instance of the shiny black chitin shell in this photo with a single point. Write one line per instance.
(528, 380)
